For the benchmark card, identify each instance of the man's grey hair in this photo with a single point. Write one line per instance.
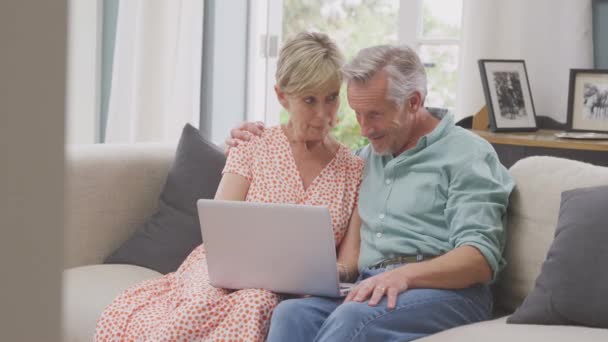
(405, 71)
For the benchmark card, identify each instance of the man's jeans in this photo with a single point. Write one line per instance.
(419, 312)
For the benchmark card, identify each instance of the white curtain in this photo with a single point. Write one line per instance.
(552, 36)
(156, 75)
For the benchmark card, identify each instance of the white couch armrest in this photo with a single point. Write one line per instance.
(110, 190)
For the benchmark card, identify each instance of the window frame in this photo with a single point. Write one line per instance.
(410, 32)
(410, 27)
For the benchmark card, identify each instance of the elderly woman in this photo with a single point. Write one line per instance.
(313, 169)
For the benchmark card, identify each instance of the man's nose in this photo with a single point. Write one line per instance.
(365, 129)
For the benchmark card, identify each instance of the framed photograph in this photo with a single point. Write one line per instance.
(508, 96)
(588, 100)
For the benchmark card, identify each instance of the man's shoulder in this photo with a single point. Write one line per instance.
(364, 152)
(369, 158)
(461, 148)
(465, 140)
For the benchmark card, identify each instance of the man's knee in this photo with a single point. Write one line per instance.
(351, 313)
(288, 310)
(298, 319)
(352, 308)
(347, 321)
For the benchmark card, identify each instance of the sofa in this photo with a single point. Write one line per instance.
(112, 189)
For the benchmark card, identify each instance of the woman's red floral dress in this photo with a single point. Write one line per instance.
(182, 306)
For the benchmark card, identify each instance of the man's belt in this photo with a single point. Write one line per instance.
(402, 259)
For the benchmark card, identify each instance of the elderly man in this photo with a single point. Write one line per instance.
(432, 203)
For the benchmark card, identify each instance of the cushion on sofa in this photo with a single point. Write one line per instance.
(532, 218)
(497, 331)
(571, 288)
(168, 236)
(87, 290)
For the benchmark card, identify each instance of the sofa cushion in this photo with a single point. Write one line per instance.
(498, 331)
(571, 288)
(87, 290)
(532, 218)
(164, 241)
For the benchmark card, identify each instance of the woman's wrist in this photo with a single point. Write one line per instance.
(345, 273)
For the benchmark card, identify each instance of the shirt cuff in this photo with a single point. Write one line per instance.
(490, 256)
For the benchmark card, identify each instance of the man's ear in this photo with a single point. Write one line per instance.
(281, 96)
(415, 101)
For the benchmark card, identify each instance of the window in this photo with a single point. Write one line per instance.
(353, 25)
(438, 43)
(430, 26)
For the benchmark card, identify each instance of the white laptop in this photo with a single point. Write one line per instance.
(283, 248)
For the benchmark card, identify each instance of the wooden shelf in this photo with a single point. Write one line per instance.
(542, 138)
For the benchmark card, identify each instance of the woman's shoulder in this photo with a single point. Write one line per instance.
(272, 132)
(270, 136)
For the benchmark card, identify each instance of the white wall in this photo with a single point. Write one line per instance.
(32, 93)
(84, 65)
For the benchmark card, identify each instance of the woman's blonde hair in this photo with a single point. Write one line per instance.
(310, 60)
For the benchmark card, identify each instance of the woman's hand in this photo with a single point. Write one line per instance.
(243, 133)
(390, 284)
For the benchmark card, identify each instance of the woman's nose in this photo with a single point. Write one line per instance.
(322, 112)
(330, 109)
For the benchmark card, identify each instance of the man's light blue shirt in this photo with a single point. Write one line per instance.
(448, 191)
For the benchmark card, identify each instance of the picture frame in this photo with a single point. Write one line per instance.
(508, 96)
(588, 100)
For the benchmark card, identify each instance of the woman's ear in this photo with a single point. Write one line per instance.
(281, 96)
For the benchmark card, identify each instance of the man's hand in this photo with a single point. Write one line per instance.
(243, 133)
(389, 284)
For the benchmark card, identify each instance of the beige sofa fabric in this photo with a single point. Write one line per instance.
(110, 191)
(87, 290)
(532, 218)
(498, 331)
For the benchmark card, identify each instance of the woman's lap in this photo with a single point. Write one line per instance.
(184, 305)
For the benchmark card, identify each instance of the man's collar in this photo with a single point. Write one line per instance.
(444, 126)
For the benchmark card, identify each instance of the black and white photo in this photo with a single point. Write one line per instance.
(595, 98)
(588, 100)
(508, 95)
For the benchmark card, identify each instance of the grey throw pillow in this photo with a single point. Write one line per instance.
(164, 241)
(572, 288)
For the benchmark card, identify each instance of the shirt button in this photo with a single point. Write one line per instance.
(388, 181)
(378, 235)
(381, 216)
